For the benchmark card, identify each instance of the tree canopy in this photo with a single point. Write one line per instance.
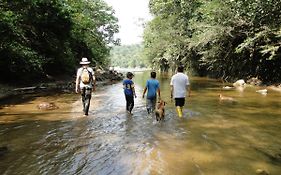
(223, 39)
(128, 56)
(39, 37)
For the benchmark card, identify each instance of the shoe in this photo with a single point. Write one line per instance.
(129, 113)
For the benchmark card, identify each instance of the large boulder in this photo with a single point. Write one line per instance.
(276, 88)
(254, 81)
(239, 83)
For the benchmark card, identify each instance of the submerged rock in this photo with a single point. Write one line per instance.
(226, 99)
(47, 106)
(276, 88)
(262, 91)
(262, 172)
(254, 81)
(3, 150)
(228, 87)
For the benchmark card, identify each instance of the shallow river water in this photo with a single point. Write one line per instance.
(213, 138)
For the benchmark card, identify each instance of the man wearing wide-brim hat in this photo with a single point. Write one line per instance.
(85, 83)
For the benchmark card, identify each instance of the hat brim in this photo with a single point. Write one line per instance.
(85, 62)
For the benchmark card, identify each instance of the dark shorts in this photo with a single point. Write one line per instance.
(179, 101)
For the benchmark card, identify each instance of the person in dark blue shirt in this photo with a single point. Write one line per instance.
(129, 91)
(152, 87)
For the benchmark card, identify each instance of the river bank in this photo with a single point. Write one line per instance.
(64, 84)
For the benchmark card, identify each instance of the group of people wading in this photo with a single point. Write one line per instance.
(86, 83)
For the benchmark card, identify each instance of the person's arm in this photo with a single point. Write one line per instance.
(158, 90)
(188, 87)
(94, 83)
(93, 78)
(134, 92)
(133, 89)
(172, 87)
(189, 90)
(77, 90)
(172, 91)
(124, 85)
(144, 91)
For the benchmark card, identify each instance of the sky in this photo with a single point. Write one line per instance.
(129, 13)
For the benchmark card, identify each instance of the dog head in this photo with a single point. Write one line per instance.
(161, 103)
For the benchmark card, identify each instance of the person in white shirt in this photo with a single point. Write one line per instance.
(85, 83)
(179, 85)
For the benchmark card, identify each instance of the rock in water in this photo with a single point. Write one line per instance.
(227, 87)
(225, 98)
(262, 172)
(3, 150)
(262, 91)
(254, 81)
(238, 83)
(47, 106)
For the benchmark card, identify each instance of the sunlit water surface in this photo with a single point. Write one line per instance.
(213, 138)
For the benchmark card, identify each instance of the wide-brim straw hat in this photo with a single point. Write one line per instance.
(84, 61)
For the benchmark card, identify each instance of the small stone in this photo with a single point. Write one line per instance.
(262, 172)
(47, 106)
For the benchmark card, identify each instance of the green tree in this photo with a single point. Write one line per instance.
(128, 56)
(39, 37)
(227, 39)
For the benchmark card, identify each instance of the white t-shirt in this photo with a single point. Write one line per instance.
(179, 81)
(79, 73)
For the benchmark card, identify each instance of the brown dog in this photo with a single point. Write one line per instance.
(160, 110)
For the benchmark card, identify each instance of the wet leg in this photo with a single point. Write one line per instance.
(153, 104)
(148, 106)
(127, 103)
(179, 111)
(87, 101)
(131, 103)
(83, 95)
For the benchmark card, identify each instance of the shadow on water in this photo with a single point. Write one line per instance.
(212, 138)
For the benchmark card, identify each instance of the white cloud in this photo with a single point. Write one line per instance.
(129, 13)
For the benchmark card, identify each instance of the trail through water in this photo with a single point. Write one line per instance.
(213, 138)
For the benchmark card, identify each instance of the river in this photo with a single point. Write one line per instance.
(213, 138)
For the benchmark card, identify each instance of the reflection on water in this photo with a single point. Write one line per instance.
(213, 138)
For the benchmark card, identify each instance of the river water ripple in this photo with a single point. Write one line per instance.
(213, 138)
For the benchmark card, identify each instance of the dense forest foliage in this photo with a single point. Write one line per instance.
(223, 39)
(220, 38)
(40, 37)
(128, 56)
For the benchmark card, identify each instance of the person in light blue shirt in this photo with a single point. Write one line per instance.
(152, 88)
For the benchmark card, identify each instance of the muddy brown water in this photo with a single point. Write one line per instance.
(213, 138)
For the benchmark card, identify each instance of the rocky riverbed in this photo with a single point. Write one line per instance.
(65, 84)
